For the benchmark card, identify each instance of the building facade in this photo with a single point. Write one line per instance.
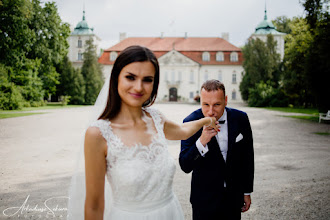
(267, 27)
(185, 63)
(77, 42)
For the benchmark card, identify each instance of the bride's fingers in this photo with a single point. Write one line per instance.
(216, 126)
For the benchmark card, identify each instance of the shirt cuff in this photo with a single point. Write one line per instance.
(247, 194)
(202, 150)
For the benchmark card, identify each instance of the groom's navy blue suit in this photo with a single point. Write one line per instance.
(209, 198)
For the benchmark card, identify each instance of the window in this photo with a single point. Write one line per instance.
(233, 95)
(191, 95)
(79, 43)
(233, 57)
(234, 78)
(173, 77)
(180, 77)
(206, 56)
(219, 57)
(206, 75)
(80, 56)
(192, 76)
(220, 76)
(166, 76)
(113, 56)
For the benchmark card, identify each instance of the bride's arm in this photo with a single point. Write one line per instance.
(95, 168)
(184, 131)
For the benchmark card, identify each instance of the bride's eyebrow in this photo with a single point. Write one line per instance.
(131, 73)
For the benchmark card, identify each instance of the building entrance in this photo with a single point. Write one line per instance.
(173, 94)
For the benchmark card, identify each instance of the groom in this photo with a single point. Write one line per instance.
(222, 162)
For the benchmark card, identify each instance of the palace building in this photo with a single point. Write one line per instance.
(185, 63)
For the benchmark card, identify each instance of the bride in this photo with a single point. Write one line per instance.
(126, 148)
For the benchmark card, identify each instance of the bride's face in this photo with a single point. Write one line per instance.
(135, 83)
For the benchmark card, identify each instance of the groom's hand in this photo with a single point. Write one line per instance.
(247, 203)
(207, 134)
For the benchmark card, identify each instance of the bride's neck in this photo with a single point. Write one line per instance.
(129, 114)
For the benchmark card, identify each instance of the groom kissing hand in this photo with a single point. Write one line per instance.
(222, 162)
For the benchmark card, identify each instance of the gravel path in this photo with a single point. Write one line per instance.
(292, 179)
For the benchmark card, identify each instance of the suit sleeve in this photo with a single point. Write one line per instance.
(189, 155)
(248, 175)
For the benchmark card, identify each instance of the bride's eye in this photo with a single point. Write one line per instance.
(149, 80)
(131, 78)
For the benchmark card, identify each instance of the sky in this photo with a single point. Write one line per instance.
(197, 18)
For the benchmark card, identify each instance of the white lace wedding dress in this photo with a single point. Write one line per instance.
(140, 177)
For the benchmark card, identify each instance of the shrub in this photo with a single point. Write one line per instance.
(65, 99)
(10, 97)
(264, 94)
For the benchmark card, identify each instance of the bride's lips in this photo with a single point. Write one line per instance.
(136, 95)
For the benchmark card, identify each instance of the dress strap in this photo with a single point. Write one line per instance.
(107, 133)
(158, 119)
(104, 126)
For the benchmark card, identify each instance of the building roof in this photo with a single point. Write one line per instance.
(191, 47)
(266, 27)
(82, 28)
(177, 43)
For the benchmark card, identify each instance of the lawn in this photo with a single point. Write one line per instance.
(309, 118)
(13, 115)
(312, 114)
(23, 112)
(322, 133)
(311, 111)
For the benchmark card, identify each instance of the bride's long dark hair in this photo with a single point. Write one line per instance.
(129, 55)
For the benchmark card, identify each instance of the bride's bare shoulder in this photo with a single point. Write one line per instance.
(93, 132)
(94, 136)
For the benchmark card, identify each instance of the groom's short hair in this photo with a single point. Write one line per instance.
(213, 85)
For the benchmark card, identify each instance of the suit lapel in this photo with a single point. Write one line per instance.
(231, 131)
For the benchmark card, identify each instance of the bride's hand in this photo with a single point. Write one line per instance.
(213, 124)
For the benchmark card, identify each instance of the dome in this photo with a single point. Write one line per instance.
(266, 27)
(265, 24)
(82, 25)
(82, 28)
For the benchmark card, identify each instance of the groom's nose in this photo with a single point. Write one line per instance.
(211, 112)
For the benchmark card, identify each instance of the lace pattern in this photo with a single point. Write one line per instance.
(138, 173)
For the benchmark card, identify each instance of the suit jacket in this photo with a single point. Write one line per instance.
(210, 171)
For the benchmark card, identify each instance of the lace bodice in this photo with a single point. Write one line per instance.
(138, 174)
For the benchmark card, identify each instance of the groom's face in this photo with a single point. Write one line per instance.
(213, 103)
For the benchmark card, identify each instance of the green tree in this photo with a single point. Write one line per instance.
(317, 66)
(50, 42)
(282, 24)
(307, 70)
(92, 73)
(295, 80)
(71, 83)
(16, 40)
(261, 63)
(16, 37)
(32, 44)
